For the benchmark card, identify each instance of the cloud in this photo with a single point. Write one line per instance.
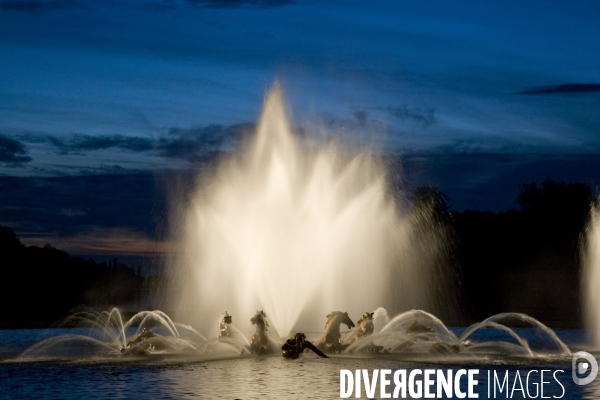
(78, 143)
(12, 152)
(241, 3)
(567, 88)
(190, 144)
(197, 143)
(406, 114)
(489, 144)
(34, 6)
(87, 142)
(74, 205)
(360, 122)
(106, 241)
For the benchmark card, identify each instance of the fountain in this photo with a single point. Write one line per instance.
(412, 335)
(291, 233)
(299, 231)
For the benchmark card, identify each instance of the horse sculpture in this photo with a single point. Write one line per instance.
(364, 327)
(225, 326)
(260, 342)
(330, 342)
(144, 344)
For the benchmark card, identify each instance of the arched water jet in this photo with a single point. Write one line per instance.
(524, 318)
(490, 324)
(240, 334)
(403, 321)
(157, 316)
(189, 328)
(115, 314)
(109, 323)
(42, 348)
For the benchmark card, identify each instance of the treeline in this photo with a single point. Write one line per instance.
(527, 259)
(40, 285)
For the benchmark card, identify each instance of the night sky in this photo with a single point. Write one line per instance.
(102, 102)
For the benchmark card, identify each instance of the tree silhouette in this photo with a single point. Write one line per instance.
(526, 260)
(39, 285)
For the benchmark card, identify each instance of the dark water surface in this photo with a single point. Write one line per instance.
(246, 377)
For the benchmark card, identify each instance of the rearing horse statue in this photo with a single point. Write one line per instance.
(225, 326)
(260, 343)
(330, 342)
(364, 327)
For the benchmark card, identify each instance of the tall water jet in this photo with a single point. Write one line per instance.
(299, 231)
(591, 276)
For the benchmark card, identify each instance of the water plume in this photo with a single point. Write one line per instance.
(591, 276)
(298, 231)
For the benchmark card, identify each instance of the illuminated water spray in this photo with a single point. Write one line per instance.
(591, 277)
(297, 231)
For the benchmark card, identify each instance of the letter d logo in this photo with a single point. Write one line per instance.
(583, 367)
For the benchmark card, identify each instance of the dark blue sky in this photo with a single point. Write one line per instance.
(478, 97)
